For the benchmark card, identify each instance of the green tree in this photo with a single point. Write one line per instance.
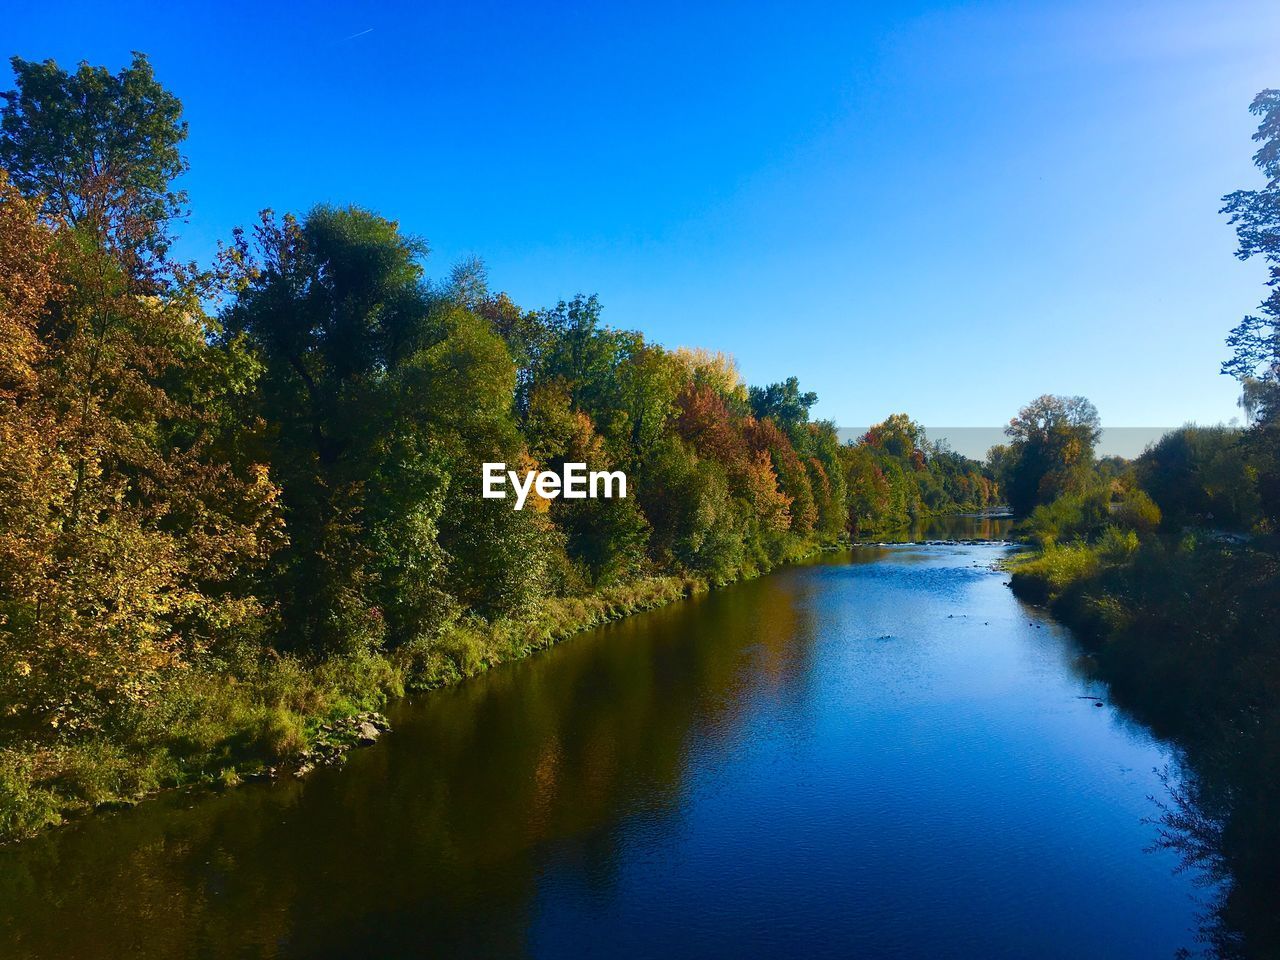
(1255, 342)
(1202, 475)
(1255, 214)
(870, 496)
(648, 381)
(696, 525)
(335, 307)
(827, 478)
(783, 403)
(101, 150)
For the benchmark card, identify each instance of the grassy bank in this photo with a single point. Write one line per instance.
(243, 717)
(1185, 625)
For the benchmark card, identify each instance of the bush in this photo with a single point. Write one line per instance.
(1070, 517)
(1137, 511)
(1116, 545)
(24, 807)
(279, 734)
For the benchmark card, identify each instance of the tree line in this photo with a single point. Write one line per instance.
(237, 498)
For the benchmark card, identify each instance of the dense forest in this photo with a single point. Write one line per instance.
(1169, 570)
(241, 501)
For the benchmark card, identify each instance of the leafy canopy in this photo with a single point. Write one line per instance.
(98, 148)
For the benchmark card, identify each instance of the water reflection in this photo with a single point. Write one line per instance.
(993, 527)
(870, 755)
(431, 840)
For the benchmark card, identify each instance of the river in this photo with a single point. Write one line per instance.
(879, 754)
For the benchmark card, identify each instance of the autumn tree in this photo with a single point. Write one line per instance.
(144, 537)
(767, 438)
(898, 436)
(1051, 448)
(34, 474)
(714, 369)
(707, 422)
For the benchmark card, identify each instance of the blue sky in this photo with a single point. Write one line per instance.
(945, 209)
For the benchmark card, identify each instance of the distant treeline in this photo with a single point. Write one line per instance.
(239, 498)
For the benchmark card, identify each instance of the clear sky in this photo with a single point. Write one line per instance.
(945, 209)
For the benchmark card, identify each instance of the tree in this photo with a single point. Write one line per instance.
(457, 394)
(648, 380)
(1255, 214)
(131, 529)
(578, 349)
(101, 150)
(695, 523)
(141, 539)
(827, 478)
(783, 403)
(716, 370)
(33, 474)
(869, 492)
(706, 421)
(382, 399)
(1052, 442)
(899, 436)
(1255, 341)
(334, 308)
(1000, 462)
(606, 537)
(1201, 475)
(765, 437)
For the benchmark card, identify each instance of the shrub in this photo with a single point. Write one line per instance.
(1116, 545)
(1072, 516)
(1137, 512)
(24, 807)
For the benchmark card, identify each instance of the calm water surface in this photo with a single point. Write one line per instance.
(880, 755)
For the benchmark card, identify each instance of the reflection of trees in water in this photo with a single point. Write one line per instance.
(432, 842)
(1221, 822)
(953, 527)
(1218, 816)
(1186, 829)
(155, 881)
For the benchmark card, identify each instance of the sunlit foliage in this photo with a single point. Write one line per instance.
(238, 498)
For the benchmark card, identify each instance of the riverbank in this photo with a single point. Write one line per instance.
(1182, 630)
(256, 718)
